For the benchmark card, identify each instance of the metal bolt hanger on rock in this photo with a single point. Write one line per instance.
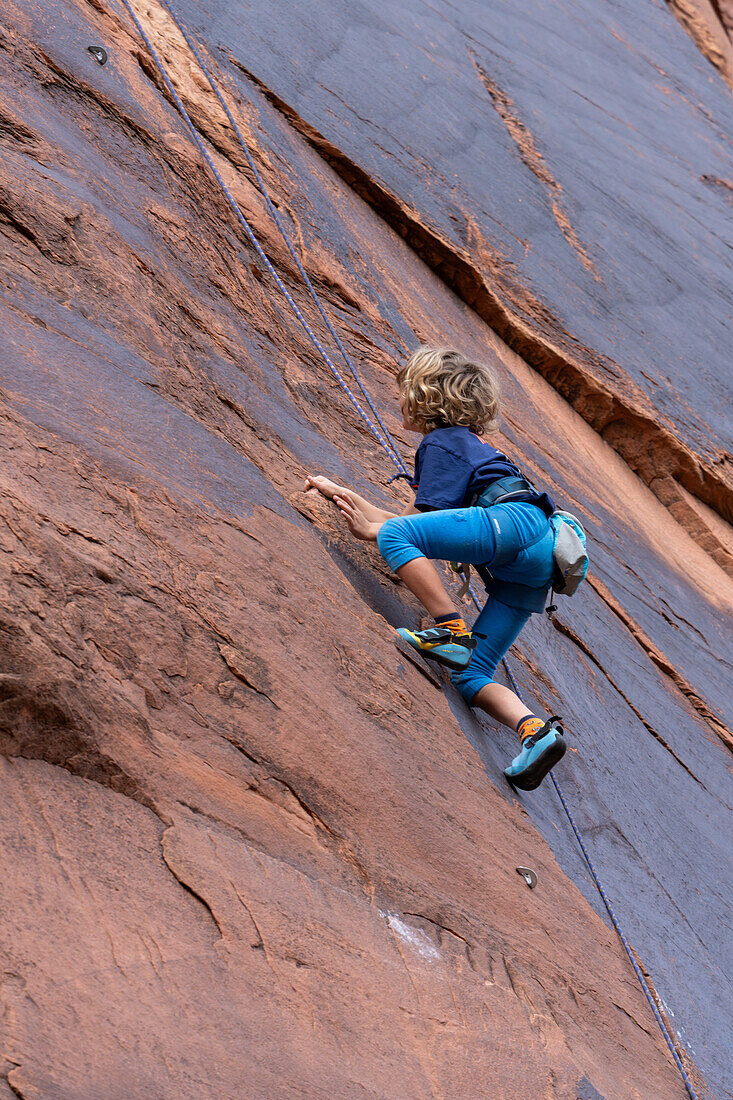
(529, 876)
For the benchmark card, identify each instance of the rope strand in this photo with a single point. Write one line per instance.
(278, 222)
(627, 946)
(253, 239)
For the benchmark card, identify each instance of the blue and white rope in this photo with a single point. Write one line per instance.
(384, 440)
(627, 946)
(392, 447)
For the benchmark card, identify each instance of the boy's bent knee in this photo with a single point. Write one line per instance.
(395, 543)
(388, 535)
(469, 684)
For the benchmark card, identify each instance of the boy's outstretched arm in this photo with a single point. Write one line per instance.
(330, 489)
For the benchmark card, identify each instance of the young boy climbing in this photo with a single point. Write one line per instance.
(471, 505)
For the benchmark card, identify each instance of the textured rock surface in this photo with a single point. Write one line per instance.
(248, 849)
(709, 24)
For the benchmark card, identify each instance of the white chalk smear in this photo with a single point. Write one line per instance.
(415, 937)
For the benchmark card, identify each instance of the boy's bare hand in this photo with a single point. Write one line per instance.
(351, 509)
(363, 518)
(328, 488)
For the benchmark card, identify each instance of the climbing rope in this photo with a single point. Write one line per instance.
(385, 439)
(627, 946)
(283, 232)
(380, 433)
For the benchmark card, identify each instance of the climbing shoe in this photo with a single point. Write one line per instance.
(540, 752)
(440, 644)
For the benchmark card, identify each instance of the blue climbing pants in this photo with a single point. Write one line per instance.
(514, 540)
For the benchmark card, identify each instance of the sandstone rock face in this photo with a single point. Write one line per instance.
(248, 849)
(709, 24)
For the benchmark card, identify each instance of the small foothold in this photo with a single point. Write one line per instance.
(98, 53)
(529, 876)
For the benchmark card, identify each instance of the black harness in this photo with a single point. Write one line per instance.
(503, 489)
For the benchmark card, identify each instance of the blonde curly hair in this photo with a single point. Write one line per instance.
(441, 388)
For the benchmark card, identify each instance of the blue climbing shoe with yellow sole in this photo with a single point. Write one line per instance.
(539, 754)
(440, 644)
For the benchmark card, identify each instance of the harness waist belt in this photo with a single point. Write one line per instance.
(501, 489)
